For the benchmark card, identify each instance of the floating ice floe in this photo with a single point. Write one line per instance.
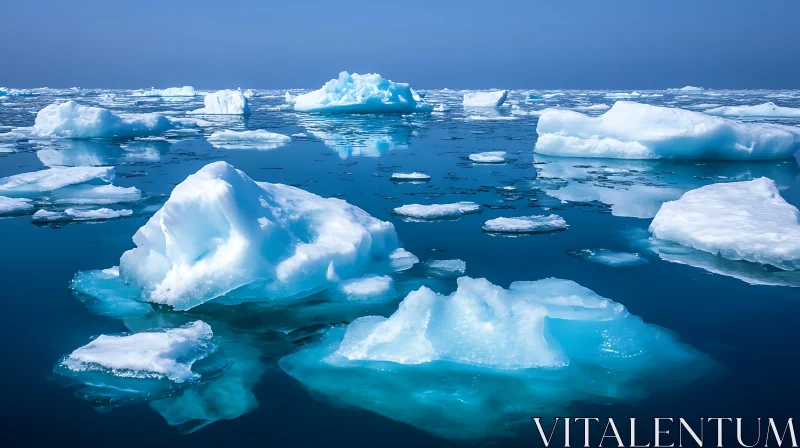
(440, 108)
(371, 288)
(623, 95)
(445, 268)
(738, 220)
(73, 120)
(165, 354)
(639, 131)
(224, 102)
(185, 91)
(256, 139)
(72, 214)
(361, 94)
(525, 224)
(688, 89)
(609, 257)
(765, 110)
(591, 108)
(54, 178)
(13, 206)
(438, 211)
(550, 342)
(489, 157)
(418, 177)
(221, 235)
(485, 99)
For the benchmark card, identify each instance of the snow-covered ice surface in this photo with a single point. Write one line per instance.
(765, 110)
(525, 224)
(258, 139)
(640, 131)
(739, 221)
(488, 157)
(437, 211)
(699, 298)
(361, 94)
(533, 342)
(224, 102)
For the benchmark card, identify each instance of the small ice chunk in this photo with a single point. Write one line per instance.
(485, 99)
(257, 139)
(54, 178)
(12, 206)
(489, 157)
(95, 195)
(72, 214)
(73, 120)
(525, 224)
(361, 94)
(224, 102)
(765, 110)
(640, 131)
(157, 354)
(609, 257)
(738, 220)
(445, 268)
(402, 260)
(367, 288)
(420, 177)
(438, 211)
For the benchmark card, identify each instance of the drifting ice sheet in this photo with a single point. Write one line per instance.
(72, 214)
(10, 206)
(525, 224)
(485, 99)
(53, 179)
(224, 102)
(419, 177)
(738, 220)
(360, 94)
(489, 157)
(257, 139)
(438, 211)
(73, 120)
(766, 110)
(639, 131)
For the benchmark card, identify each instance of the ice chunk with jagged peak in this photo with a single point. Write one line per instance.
(165, 354)
(12, 206)
(222, 234)
(354, 93)
(551, 342)
(73, 214)
(485, 99)
(413, 177)
(438, 211)
(489, 157)
(73, 120)
(525, 224)
(257, 139)
(737, 220)
(224, 102)
(640, 131)
(765, 110)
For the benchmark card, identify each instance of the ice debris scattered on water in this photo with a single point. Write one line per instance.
(73, 120)
(489, 157)
(738, 220)
(609, 257)
(224, 102)
(525, 224)
(765, 110)
(361, 94)
(185, 91)
(438, 211)
(485, 99)
(419, 177)
(73, 214)
(255, 139)
(640, 131)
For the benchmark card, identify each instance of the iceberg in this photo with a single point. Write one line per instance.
(158, 354)
(224, 102)
(738, 220)
(414, 177)
(73, 120)
(442, 363)
(485, 99)
(489, 157)
(13, 206)
(609, 257)
(639, 131)
(765, 110)
(438, 211)
(257, 139)
(445, 268)
(361, 94)
(221, 235)
(184, 91)
(72, 214)
(525, 224)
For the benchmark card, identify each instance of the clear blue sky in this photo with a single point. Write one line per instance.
(622, 44)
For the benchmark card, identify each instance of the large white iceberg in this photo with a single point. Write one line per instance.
(157, 354)
(222, 234)
(73, 120)
(640, 131)
(438, 211)
(765, 110)
(354, 93)
(551, 342)
(255, 139)
(485, 99)
(738, 220)
(224, 102)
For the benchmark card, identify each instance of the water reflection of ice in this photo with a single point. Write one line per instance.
(99, 152)
(360, 135)
(637, 188)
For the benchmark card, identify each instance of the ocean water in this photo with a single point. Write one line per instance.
(724, 310)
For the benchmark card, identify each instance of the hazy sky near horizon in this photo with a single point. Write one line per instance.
(614, 44)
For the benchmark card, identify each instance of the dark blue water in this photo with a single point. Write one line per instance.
(749, 331)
